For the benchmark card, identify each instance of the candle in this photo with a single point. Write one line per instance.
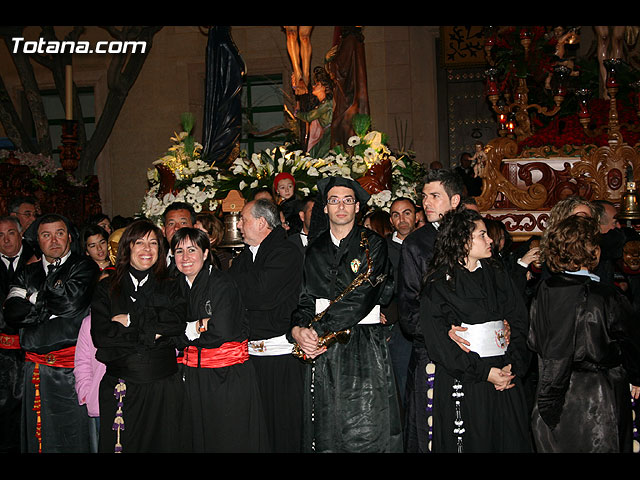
(69, 92)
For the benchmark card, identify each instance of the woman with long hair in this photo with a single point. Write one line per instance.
(220, 381)
(136, 315)
(478, 401)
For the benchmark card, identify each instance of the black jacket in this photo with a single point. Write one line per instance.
(415, 256)
(269, 286)
(65, 293)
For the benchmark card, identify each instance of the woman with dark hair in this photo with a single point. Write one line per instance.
(478, 402)
(588, 348)
(136, 315)
(221, 387)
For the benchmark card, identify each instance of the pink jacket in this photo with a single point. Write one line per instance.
(88, 371)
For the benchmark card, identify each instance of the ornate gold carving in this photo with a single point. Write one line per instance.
(601, 167)
(494, 181)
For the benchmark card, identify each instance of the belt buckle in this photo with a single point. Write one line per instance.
(50, 358)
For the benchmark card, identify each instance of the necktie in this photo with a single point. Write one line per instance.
(11, 269)
(53, 266)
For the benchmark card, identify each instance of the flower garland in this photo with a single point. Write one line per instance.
(204, 186)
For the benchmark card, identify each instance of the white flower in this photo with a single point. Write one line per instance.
(254, 184)
(353, 141)
(197, 208)
(168, 198)
(237, 169)
(152, 174)
(313, 172)
(370, 154)
(242, 184)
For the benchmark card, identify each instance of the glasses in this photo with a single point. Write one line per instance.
(345, 200)
(27, 214)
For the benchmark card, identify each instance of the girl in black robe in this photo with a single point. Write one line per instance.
(478, 400)
(221, 388)
(136, 314)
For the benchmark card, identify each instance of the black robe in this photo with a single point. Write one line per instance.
(351, 403)
(11, 364)
(415, 256)
(269, 287)
(144, 366)
(588, 347)
(224, 402)
(52, 324)
(494, 421)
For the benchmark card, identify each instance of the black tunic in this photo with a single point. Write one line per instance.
(270, 286)
(225, 405)
(351, 403)
(11, 365)
(494, 421)
(52, 324)
(588, 347)
(145, 366)
(415, 256)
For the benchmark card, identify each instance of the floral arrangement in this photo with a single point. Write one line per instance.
(187, 178)
(42, 167)
(203, 185)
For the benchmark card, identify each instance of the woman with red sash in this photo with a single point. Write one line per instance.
(220, 383)
(137, 314)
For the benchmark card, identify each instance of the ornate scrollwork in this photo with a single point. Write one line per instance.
(494, 181)
(603, 169)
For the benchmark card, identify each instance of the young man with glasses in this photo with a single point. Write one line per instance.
(350, 403)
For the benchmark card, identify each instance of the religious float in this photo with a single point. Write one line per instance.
(574, 144)
(205, 174)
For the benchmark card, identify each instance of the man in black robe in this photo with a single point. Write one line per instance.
(350, 400)
(47, 303)
(442, 191)
(14, 254)
(268, 273)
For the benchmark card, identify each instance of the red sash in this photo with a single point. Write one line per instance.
(9, 342)
(227, 354)
(63, 358)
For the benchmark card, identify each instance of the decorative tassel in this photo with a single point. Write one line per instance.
(459, 423)
(431, 375)
(636, 436)
(37, 405)
(118, 422)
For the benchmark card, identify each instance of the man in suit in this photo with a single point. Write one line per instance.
(14, 253)
(403, 219)
(47, 302)
(301, 238)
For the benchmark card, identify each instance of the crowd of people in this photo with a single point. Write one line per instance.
(338, 328)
